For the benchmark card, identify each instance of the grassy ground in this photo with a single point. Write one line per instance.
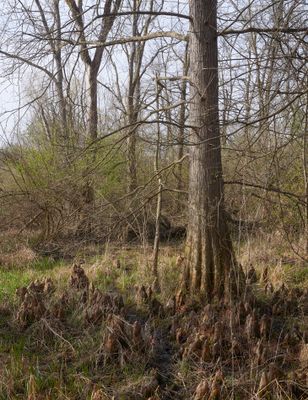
(65, 358)
(61, 362)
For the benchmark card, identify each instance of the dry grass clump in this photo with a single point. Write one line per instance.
(39, 300)
(15, 250)
(19, 257)
(32, 302)
(266, 249)
(99, 394)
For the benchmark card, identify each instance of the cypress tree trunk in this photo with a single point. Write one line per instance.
(209, 248)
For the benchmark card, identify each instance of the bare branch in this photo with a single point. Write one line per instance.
(253, 29)
(150, 36)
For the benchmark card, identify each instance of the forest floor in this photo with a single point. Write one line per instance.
(95, 329)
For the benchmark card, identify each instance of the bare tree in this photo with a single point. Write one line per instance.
(135, 58)
(209, 247)
(39, 46)
(93, 64)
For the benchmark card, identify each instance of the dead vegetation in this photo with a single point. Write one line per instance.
(141, 345)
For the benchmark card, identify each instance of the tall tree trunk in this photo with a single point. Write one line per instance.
(55, 44)
(159, 197)
(135, 59)
(92, 123)
(57, 49)
(209, 248)
(132, 161)
(181, 137)
(133, 106)
(305, 172)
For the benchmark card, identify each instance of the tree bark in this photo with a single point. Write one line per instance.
(181, 137)
(159, 199)
(133, 104)
(305, 172)
(92, 122)
(209, 247)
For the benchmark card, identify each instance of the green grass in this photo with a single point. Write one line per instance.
(46, 264)
(296, 275)
(13, 278)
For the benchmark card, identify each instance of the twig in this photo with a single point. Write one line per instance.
(58, 335)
